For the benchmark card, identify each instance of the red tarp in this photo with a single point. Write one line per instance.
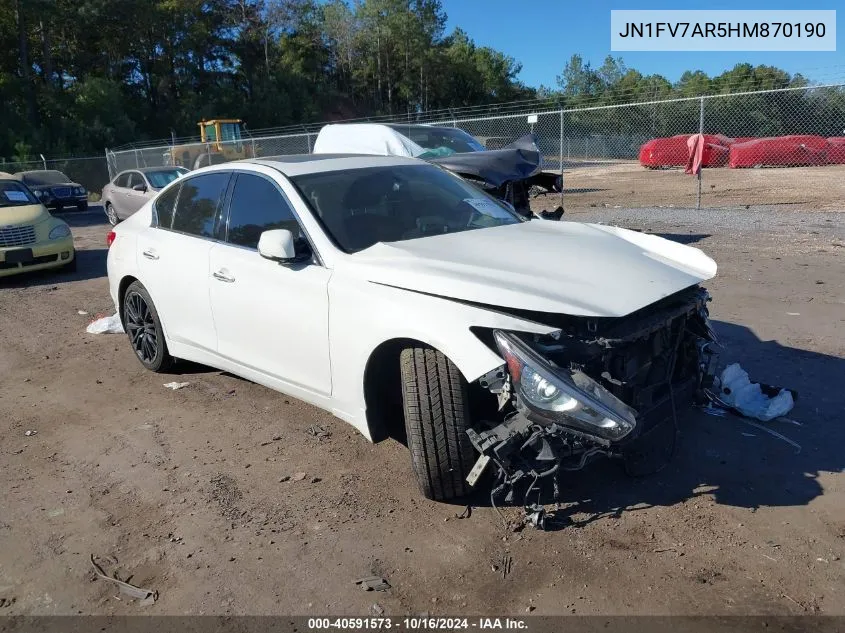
(673, 151)
(836, 150)
(781, 151)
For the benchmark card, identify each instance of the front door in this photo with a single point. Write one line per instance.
(268, 316)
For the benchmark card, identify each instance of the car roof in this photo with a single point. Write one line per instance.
(419, 126)
(149, 170)
(298, 165)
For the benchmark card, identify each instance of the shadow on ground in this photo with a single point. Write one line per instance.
(740, 465)
(94, 216)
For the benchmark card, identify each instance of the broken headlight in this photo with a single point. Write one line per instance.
(570, 399)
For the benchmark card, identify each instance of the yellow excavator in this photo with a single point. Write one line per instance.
(221, 140)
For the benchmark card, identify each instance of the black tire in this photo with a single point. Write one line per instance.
(81, 206)
(142, 325)
(436, 406)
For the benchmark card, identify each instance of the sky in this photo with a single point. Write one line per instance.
(543, 34)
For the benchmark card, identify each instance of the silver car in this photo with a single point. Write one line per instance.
(130, 189)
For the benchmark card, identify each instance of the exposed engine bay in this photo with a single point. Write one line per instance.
(598, 386)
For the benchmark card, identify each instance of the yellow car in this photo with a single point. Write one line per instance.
(30, 238)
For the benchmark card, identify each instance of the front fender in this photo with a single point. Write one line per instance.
(364, 315)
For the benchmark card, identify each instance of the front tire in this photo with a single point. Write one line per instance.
(141, 322)
(436, 406)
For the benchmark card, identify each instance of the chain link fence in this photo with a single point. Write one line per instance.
(91, 172)
(775, 147)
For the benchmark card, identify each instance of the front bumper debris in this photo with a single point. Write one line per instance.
(657, 361)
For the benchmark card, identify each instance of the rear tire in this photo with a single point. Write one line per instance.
(141, 322)
(111, 214)
(436, 406)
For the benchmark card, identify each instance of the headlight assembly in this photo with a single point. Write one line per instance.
(79, 191)
(553, 395)
(59, 231)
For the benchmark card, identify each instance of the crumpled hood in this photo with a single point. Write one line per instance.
(517, 161)
(557, 267)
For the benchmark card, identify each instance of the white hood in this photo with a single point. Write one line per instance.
(559, 267)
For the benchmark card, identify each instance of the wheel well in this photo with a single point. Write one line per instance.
(383, 392)
(121, 290)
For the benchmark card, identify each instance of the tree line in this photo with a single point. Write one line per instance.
(80, 75)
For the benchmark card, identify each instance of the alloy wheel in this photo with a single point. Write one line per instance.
(141, 327)
(111, 215)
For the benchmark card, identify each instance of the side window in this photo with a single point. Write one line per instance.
(164, 206)
(135, 179)
(121, 180)
(199, 199)
(258, 206)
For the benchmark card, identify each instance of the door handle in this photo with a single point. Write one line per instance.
(220, 275)
(150, 254)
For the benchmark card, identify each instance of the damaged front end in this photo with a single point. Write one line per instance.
(598, 386)
(509, 173)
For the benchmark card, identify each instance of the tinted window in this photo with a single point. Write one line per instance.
(257, 206)
(122, 180)
(135, 179)
(199, 199)
(164, 206)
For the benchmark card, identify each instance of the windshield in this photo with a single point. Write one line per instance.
(360, 207)
(14, 194)
(440, 141)
(164, 177)
(230, 132)
(48, 177)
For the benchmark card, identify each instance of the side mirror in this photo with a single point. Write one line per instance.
(142, 188)
(280, 246)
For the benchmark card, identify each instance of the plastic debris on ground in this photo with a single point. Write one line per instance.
(105, 325)
(739, 393)
(175, 385)
(373, 583)
(146, 596)
(736, 392)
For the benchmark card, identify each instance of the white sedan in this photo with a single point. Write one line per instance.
(413, 305)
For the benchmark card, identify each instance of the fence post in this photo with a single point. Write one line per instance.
(561, 158)
(701, 168)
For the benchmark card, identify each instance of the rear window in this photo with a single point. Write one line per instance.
(199, 200)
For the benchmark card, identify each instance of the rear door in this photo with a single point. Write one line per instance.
(268, 316)
(173, 257)
(118, 195)
(135, 199)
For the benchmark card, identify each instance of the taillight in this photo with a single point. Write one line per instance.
(110, 238)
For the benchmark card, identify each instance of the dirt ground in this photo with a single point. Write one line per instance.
(627, 184)
(195, 493)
